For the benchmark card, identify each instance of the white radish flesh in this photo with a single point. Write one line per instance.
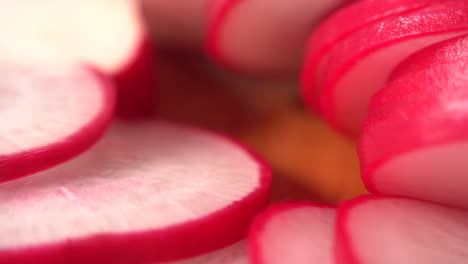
(425, 110)
(107, 34)
(49, 114)
(147, 192)
(361, 64)
(387, 230)
(234, 254)
(293, 232)
(264, 36)
(338, 27)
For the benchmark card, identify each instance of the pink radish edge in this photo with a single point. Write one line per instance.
(173, 234)
(136, 83)
(321, 42)
(329, 91)
(255, 252)
(344, 252)
(38, 159)
(218, 14)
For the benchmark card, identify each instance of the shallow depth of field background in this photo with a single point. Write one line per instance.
(309, 159)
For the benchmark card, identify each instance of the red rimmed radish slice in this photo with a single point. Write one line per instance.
(147, 192)
(388, 230)
(338, 27)
(293, 232)
(49, 114)
(107, 34)
(362, 63)
(414, 140)
(176, 25)
(262, 36)
(234, 254)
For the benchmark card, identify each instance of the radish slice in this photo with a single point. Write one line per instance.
(361, 64)
(49, 114)
(263, 36)
(293, 232)
(175, 24)
(147, 192)
(338, 27)
(429, 103)
(235, 254)
(106, 34)
(387, 230)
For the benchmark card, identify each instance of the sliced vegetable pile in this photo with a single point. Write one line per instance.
(77, 186)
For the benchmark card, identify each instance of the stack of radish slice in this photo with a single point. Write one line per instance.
(263, 36)
(149, 191)
(107, 34)
(49, 114)
(349, 66)
(414, 142)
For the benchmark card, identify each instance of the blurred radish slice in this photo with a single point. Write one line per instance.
(235, 254)
(147, 192)
(106, 34)
(415, 137)
(49, 114)
(338, 27)
(387, 230)
(293, 232)
(361, 64)
(175, 24)
(263, 36)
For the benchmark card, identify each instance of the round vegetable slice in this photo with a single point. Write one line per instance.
(148, 191)
(49, 114)
(293, 232)
(107, 34)
(414, 140)
(338, 27)
(261, 36)
(234, 254)
(387, 230)
(361, 64)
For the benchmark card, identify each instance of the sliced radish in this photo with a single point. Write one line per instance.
(338, 27)
(414, 140)
(149, 191)
(263, 36)
(388, 230)
(293, 232)
(360, 65)
(107, 34)
(235, 254)
(175, 24)
(49, 113)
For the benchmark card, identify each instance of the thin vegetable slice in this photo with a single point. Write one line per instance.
(362, 63)
(414, 140)
(261, 36)
(387, 230)
(49, 114)
(293, 232)
(147, 192)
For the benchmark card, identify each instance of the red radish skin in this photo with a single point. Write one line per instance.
(387, 230)
(241, 33)
(50, 113)
(342, 24)
(346, 92)
(235, 254)
(428, 102)
(147, 192)
(112, 38)
(293, 232)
